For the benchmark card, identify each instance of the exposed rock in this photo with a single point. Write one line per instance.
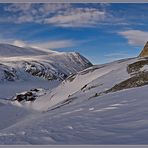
(30, 95)
(7, 73)
(71, 78)
(135, 81)
(144, 52)
(135, 67)
(86, 87)
(36, 90)
(10, 75)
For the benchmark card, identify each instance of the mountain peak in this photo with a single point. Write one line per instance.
(144, 52)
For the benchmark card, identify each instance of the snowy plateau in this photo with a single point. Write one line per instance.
(49, 97)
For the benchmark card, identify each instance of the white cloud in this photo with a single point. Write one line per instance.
(19, 43)
(24, 19)
(16, 7)
(135, 37)
(116, 56)
(77, 17)
(53, 7)
(58, 14)
(55, 44)
(46, 45)
(31, 12)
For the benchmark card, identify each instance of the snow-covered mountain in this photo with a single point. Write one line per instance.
(42, 63)
(25, 64)
(103, 104)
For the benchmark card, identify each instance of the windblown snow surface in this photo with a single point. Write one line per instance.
(83, 109)
(93, 106)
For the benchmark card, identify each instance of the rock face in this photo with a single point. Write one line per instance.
(144, 52)
(136, 81)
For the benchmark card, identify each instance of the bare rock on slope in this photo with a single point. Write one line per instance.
(144, 52)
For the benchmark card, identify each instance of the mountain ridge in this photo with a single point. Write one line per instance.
(18, 56)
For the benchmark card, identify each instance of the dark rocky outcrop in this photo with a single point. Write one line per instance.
(71, 78)
(135, 81)
(135, 67)
(7, 73)
(10, 75)
(29, 96)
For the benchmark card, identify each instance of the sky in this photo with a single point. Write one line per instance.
(102, 32)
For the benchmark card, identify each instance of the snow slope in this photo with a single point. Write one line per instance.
(95, 81)
(117, 118)
(85, 84)
(103, 104)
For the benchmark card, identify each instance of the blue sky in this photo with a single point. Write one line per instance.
(100, 32)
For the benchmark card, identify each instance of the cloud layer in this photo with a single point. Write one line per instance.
(58, 14)
(135, 37)
(55, 44)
